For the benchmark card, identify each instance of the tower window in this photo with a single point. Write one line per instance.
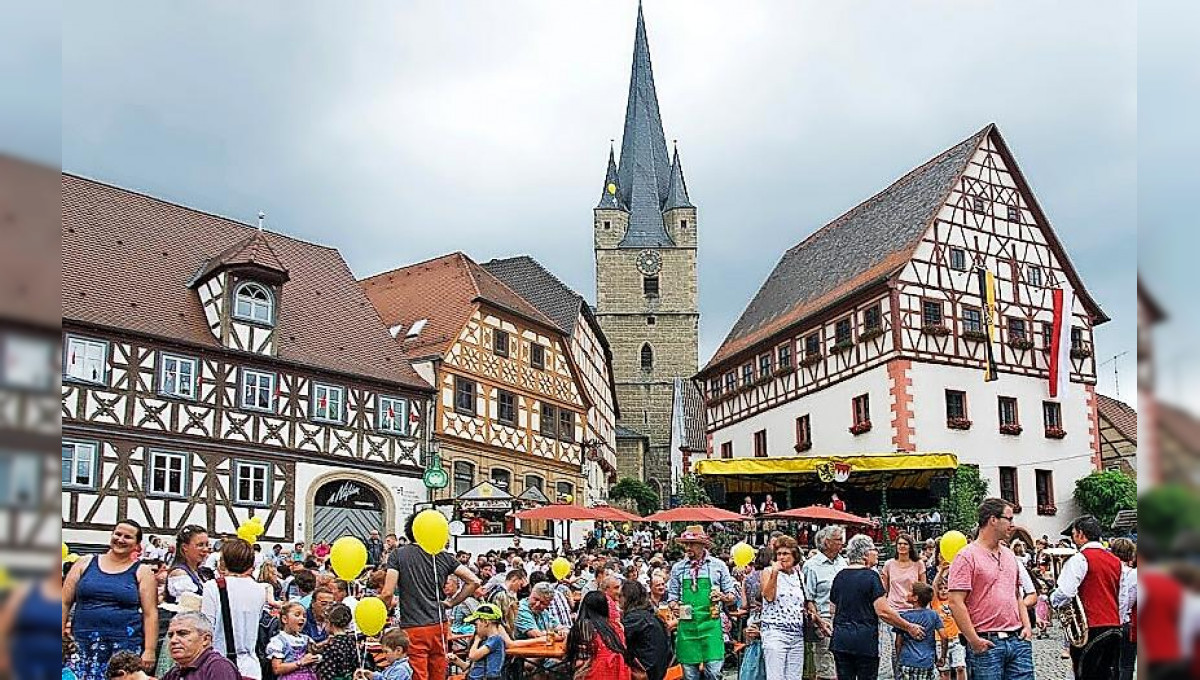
(647, 357)
(683, 224)
(607, 224)
(650, 321)
(650, 286)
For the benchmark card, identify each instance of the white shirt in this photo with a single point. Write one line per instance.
(1128, 593)
(1072, 575)
(247, 598)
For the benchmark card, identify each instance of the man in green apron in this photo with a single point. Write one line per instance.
(699, 588)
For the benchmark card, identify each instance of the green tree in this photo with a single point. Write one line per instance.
(1104, 494)
(960, 508)
(1167, 511)
(692, 492)
(637, 491)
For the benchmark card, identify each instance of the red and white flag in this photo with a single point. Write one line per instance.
(1060, 343)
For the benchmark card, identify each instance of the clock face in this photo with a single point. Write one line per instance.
(649, 262)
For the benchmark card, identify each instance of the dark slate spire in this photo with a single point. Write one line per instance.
(610, 198)
(677, 196)
(644, 172)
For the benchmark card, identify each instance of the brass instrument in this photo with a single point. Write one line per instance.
(1071, 615)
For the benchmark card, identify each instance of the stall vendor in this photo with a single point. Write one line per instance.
(700, 586)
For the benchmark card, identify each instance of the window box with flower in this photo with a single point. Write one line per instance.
(811, 359)
(1011, 429)
(870, 334)
(1021, 343)
(784, 370)
(937, 330)
(974, 335)
(1055, 433)
(1081, 352)
(842, 346)
(958, 423)
(860, 428)
(1047, 510)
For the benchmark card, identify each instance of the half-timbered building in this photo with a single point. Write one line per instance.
(213, 371)
(871, 336)
(512, 406)
(1118, 435)
(593, 357)
(29, 339)
(1150, 314)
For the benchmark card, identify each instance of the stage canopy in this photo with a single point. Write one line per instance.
(871, 471)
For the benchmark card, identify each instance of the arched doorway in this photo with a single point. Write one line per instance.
(346, 507)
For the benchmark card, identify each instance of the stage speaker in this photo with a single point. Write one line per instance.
(939, 487)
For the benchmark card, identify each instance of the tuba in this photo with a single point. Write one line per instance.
(1071, 615)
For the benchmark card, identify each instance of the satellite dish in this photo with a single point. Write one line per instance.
(457, 528)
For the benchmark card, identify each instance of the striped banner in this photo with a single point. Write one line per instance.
(987, 293)
(1060, 343)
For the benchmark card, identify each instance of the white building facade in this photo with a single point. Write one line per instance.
(871, 337)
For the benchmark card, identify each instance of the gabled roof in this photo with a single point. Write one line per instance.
(529, 279)
(444, 291)
(1121, 415)
(1182, 427)
(645, 168)
(127, 260)
(624, 432)
(252, 251)
(29, 207)
(869, 244)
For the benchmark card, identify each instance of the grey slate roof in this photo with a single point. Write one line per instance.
(695, 419)
(611, 200)
(628, 433)
(540, 288)
(832, 262)
(645, 169)
(677, 195)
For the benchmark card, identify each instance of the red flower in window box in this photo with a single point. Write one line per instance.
(1021, 343)
(811, 359)
(958, 423)
(802, 447)
(1047, 510)
(975, 336)
(860, 428)
(1055, 433)
(938, 330)
(1011, 429)
(870, 334)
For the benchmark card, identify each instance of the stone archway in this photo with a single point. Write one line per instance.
(347, 503)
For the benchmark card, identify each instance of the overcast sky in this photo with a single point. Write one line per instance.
(398, 131)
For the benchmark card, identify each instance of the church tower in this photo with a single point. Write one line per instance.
(646, 284)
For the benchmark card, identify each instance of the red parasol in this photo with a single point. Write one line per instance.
(616, 514)
(562, 512)
(699, 513)
(817, 514)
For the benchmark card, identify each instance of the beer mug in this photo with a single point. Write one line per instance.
(685, 612)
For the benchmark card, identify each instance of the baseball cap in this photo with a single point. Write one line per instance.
(1089, 525)
(484, 612)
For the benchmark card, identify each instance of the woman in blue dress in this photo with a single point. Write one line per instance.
(115, 601)
(28, 634)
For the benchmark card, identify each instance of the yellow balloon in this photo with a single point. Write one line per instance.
(952, 543)
(371, 616)
(66, 551)
(568, 499)
(348, 557)
(612, 188)
(256, 521)
(246, 533)
(431, 530)
(742, 555)
(561, 568)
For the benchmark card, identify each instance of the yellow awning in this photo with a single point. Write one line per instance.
(881, 462)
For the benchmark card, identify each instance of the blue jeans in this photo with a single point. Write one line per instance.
(1010, 659)
(712, 670)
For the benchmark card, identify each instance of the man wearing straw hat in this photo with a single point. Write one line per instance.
(700, 585)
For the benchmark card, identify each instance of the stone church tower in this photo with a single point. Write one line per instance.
(646, 284)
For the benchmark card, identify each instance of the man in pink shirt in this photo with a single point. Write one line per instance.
(985, 600)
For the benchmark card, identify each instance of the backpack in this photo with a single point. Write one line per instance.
(268, 627)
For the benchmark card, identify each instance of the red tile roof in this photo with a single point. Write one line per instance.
(444, 292)
(1180, 425)
(29, 209)
(1121, 415)
(127, 260)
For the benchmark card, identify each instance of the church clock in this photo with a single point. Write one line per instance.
(649, 262)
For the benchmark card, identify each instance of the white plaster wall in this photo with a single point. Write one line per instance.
(830, 413)
(1069, 458)
(405, 492)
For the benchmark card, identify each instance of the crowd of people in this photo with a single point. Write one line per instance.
(636, 609)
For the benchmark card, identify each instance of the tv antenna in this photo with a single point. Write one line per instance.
(1116, 371)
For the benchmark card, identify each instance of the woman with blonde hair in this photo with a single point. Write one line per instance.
(268, 575)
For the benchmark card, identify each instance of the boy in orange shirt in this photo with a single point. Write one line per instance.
(952, 657)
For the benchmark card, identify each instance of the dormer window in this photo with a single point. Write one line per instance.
(253, 302)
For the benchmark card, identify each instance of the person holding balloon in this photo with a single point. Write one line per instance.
(419, 570)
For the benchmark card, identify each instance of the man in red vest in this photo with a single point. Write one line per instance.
(1094, 575)
(1157, 617)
